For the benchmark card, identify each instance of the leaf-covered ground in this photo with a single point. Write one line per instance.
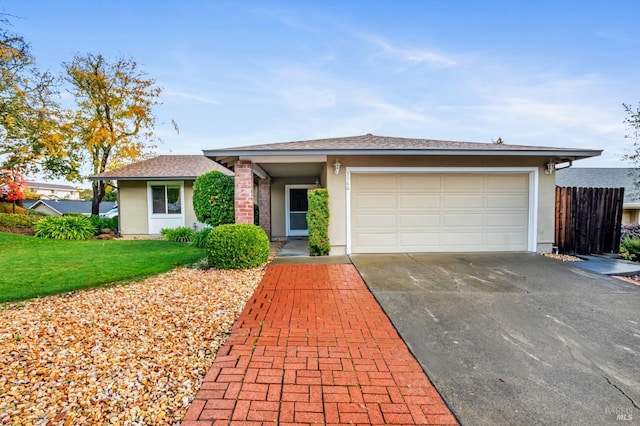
(125, 355)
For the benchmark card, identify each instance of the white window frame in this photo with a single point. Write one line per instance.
(532, 233)
(150, 199)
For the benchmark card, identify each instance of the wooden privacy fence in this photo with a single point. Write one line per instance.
(588, 220)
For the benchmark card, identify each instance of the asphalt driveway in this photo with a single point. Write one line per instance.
(516, 338)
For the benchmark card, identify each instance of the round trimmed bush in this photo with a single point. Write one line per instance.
(237, 246)
(213, 200)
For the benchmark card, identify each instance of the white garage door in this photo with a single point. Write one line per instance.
(439, 212)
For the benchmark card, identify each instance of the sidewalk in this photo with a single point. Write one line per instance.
(313, 346)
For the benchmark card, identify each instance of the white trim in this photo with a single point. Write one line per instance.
(259, 171)
(532, 234)
(155, 217)
(284, 158)
(287, 212)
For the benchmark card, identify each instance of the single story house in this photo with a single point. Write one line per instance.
(60, 207)
(158, 193)
(626, 178)
(390, 194)
(52, 191)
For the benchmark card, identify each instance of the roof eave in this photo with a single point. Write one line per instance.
(42, 203)
(576, 154)
(143, 177)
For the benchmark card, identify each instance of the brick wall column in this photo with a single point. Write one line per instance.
(264, 204)
(243, 171)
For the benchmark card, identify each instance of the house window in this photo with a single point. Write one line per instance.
(166, 199)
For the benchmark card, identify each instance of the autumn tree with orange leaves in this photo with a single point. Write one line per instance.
(113, 121)
(12, 186)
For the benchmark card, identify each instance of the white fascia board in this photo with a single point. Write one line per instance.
(285, 159)
(573, 153)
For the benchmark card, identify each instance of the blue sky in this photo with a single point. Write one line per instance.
(551, 73)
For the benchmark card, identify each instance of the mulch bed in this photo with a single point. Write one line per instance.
(134, 354)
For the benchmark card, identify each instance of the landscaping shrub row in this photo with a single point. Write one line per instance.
(9, 220)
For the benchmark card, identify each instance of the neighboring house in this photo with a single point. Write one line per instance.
(158, 193)
(51, 191)
(60, 207)
(607, 178)
(390, 194)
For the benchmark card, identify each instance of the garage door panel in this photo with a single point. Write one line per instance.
(507, 182)
(376, 221)
(419, 181)
(376, 242)
(376, 201)
(439, 212)
(463, 220)
(463, 182)
(470, 240)
(419, 221)
(509, 201)
(426, 201)
(379, 183)
(419, 239)
(471, 201)
(515, 239)
(503, 220)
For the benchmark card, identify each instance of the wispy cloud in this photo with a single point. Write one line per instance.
(192, 97)
(412, 56)
(616, 37)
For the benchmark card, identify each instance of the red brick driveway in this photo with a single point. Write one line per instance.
(313, 346)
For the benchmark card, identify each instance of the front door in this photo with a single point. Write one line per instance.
(297, 207)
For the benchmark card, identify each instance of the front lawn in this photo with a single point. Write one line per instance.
(34, 267)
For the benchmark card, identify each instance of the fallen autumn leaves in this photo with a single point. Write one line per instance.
(128, 355)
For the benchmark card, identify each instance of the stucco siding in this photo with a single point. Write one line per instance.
(133, 208)
(190, 214)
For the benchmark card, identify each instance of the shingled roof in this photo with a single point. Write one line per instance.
(165, 167)
(385, 145)
(72, 206)
(603, 178)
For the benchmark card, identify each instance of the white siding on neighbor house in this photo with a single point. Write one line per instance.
(439, 212)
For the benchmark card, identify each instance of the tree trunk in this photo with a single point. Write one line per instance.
(98, 195)
(14, 206)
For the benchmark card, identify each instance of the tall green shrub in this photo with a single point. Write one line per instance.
(213, 198)
(318, 222)
(237, 246)
(65, 228)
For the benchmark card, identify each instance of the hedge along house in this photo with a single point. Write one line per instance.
(158, 193)
(389, 194)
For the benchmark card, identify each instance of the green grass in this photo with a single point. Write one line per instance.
(35, 267)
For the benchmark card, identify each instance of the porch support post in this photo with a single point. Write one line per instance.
(243, 184)
(264, 204)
